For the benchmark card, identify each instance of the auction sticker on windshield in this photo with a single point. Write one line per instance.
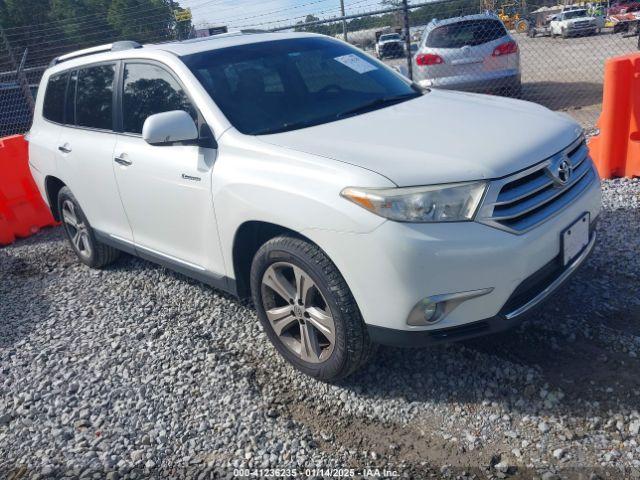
(354, 62)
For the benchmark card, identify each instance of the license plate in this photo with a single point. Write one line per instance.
(575, 238)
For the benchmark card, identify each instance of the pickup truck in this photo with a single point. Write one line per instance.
(575, 22)
(390, 45)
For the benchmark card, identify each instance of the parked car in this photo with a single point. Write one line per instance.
(473, 53)
(575, 22)
(390, 45)
(367, 211)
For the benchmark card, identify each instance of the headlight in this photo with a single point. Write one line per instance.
(452, 202)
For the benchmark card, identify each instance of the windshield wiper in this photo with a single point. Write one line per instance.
(378, 103)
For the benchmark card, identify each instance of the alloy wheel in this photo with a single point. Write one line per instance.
(298, 312)
(77, 229)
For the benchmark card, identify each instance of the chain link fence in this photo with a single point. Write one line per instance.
(26, 51)
(545, 53)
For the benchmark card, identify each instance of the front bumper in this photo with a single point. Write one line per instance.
(390, 269)
(530, 295)
(588, 30)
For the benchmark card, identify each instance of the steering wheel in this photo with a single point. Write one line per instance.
(331, 87)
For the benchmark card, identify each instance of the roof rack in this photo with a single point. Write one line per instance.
(109, 47)
(233, 33)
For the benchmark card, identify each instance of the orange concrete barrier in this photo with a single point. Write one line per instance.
(22, 210)
(616, 149)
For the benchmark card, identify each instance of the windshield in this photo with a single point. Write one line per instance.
(282, 85)
(575, 14)
(468, 32)
(384, 38)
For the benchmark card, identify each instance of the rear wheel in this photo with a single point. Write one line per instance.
(307, 309)
(90, 251)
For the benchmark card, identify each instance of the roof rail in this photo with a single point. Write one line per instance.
(109, 47)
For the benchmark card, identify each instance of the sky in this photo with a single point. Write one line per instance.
(269, 13)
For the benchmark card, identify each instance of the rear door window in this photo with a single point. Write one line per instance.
(94, 97)
(465, 33)
(53, 108)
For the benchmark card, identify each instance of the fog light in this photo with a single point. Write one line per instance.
(426, 312)
(431, 310)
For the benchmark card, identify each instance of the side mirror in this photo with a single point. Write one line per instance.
(169, 128)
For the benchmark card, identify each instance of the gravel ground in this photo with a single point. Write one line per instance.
(135, 371)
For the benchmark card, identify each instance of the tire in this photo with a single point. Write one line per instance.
(326, 311)
(82, 238)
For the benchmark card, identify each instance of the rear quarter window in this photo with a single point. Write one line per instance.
(53, 107)
(465, 33)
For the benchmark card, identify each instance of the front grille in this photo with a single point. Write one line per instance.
(580, 24)
(392, 47)
(522, 201)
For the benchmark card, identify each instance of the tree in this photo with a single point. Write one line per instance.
(323, 29)
(82, 20)
(142, 20)
(398, 19)
(49, 28)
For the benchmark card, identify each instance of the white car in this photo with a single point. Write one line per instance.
(353, 207)
(575, 22)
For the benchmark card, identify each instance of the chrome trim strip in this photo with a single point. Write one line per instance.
(565, 200)
(539, 202)
(171, 258)
(556, 283)
(485, 213)
(544, 182)
(447, 302)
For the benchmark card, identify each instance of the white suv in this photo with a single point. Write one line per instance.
(353, 207)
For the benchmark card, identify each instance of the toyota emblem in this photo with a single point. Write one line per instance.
(561, 171)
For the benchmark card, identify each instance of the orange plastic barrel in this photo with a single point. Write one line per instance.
(22, 210)
(616, 149)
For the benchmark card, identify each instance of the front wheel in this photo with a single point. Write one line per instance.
(90, 251)
(307, 309)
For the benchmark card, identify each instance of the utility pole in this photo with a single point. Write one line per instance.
(407, 37)
(344, 22)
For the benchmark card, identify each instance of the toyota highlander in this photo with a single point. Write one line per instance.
(354, 207)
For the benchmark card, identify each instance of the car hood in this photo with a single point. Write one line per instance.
(579, 19)
(440, 137)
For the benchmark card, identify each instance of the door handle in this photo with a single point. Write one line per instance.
(64, 148)
(123, 161)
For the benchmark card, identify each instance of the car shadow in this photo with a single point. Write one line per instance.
(563, 95)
